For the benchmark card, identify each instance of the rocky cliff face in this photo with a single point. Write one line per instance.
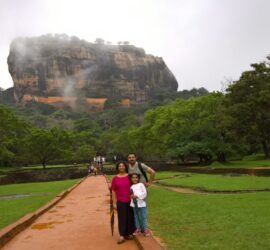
(66, 67)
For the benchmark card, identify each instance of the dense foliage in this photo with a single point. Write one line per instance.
(249, 100)
(191, 125)
(185, 129)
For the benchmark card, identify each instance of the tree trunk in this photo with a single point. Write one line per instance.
(265, 148)
(221, 157)
(44, 164)
(182, 158)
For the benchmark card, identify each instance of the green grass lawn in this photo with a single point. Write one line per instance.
(251, 161)
(167, 174)
(14, 208)
(211, 182)
(218, 221)
(110, 176)
(160, 174)
(219, 182)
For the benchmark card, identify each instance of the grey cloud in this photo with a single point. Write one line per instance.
(204, 42)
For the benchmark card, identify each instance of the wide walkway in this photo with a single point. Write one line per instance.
(80, 221)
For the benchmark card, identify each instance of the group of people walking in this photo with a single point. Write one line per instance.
(129, 192)
(96, 167)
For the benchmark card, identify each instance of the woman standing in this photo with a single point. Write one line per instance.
(121, 200)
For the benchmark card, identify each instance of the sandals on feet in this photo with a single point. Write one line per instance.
(146, 233)
(129, 237)
(121, 240)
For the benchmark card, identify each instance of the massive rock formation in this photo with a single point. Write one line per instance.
(59, 69)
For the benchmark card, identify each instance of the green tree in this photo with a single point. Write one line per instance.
(84, 153)
(86, 124)
(46, 145)
(12, 132)
(196, 127)
(249, 107)
(85, 132)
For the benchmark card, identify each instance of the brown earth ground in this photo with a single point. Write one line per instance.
(78, 222)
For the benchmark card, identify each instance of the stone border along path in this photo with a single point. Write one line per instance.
(10, 231)
(80, 221)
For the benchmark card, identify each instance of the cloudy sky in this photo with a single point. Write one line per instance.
(204, 42)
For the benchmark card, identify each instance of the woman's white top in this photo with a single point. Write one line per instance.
(139, 190)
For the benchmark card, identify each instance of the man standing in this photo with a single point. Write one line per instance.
(141, 169)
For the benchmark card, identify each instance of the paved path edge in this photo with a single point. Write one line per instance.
(143, 243)
(10, 231)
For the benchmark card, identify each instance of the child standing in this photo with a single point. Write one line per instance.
(138, 202)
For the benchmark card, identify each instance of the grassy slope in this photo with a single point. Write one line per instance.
(183, 221)
(219, 182)
(13, 209)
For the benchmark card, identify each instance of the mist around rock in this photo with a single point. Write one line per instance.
(75, 70)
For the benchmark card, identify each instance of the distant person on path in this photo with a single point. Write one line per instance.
(94, 169)
(89, 168)
(138, 202)
(121, 201)
(141, 169)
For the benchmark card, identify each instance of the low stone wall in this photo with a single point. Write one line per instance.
(56, 174)
(43, 175)
(232, 171)
(158, 166)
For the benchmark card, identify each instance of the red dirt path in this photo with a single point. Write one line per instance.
(80, 221)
